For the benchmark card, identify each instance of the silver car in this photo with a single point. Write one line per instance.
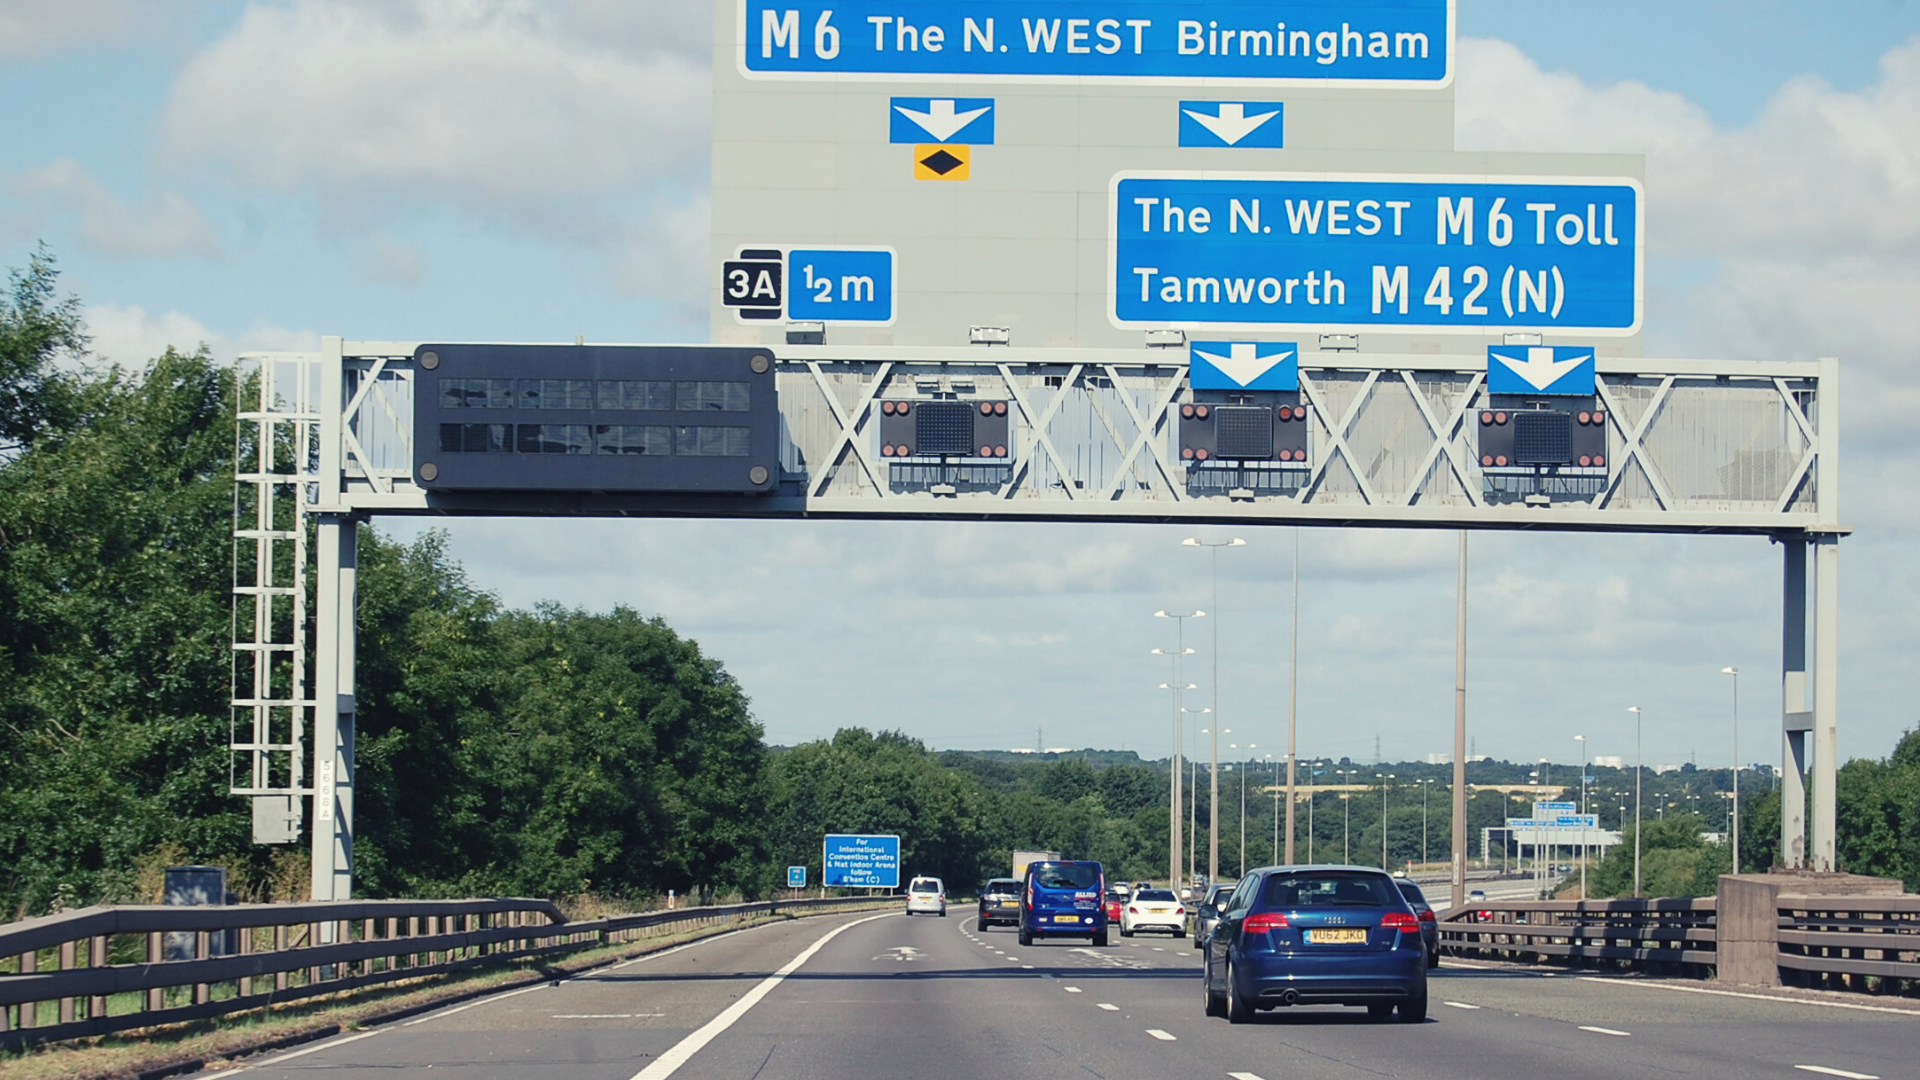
(1208, 912)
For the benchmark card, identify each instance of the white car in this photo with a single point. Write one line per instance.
(927, 895)
(1154, 909)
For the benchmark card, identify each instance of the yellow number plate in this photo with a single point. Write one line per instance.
(1066, 918)
(1157, 910)
(1336, 937)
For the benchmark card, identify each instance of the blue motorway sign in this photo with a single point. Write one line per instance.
(1245, 124)
(861, 861)
(1540, 369)
(1431, 253)
(1244, 365)
(848, 285)
(1303, 42)
(967, 121)
(796, 877)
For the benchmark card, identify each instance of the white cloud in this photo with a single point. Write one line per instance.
(37, 27)
(390, 260)
(166, 226)
(130, 336)
(492, 105)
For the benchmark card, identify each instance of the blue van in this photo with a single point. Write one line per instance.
(1063, 899)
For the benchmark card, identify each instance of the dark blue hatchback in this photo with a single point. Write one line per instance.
(1316, 935)
(1064, 899)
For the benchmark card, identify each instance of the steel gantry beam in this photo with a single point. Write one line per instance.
(1694, 446)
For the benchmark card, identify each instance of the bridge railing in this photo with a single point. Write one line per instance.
(99, 970)
(1839, 942)
(1634, 931)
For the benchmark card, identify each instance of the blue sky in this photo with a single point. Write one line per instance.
(254, 174)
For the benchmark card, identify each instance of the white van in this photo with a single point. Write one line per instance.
(927, 895)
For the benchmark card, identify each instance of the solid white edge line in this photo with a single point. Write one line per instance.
(1822, 1069)
(1161, 1035)
(669, 1063)
(1606, 1031)
(1751, 997)
(277, 1059)
(1459, 1005)
(474, 1004)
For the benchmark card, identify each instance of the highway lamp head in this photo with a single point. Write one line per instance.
(1729, 671)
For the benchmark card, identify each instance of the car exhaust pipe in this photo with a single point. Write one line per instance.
(1289, 997)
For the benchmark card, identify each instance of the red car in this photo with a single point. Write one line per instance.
(1115, 901)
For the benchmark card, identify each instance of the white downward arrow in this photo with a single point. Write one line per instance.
(1540, 369)
(940, 121)
(1233, 123)
(1243, 364)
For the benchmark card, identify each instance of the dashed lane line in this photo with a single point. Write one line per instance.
(1842, 1073)
(1071, 989)
(1459, 1005)
(1109, 1008)
(1244, 1076)
(1161, 1035)
(1606, 1031)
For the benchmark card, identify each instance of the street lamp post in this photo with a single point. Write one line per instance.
(1179, 687)
(1213, 774)
(1426, 790)
(1582, 740)
(1243, 804)
(1733, 817)
(1313, 768)
(1383, 817)
(1639, 762)
(1346, 827)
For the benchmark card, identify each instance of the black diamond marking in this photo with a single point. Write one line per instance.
(941, 162)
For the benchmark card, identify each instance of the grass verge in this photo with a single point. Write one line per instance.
(222, 1042)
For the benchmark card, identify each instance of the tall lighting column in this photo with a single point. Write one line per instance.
(1179, 695)
(1213, 773)
(1733, 825)
(1639, 761)
(1582, 740)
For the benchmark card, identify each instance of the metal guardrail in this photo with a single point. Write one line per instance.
(108, 970)
(1832, 941)
(1638, 931)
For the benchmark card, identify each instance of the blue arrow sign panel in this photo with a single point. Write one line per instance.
(848, 285)
(1245, 124)
(796, 877)
(967, 121)
(1435, 254)
(1540, 369)
(1301, 42)
(861, 861)
(1244, 365)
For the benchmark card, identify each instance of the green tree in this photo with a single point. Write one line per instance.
(37, 328)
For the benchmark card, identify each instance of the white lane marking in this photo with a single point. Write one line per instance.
(1605, 1031)
(1161, 1035)
(1157, 948)
(601, 1016)
(1824, 1071)
(1026, 967)
(1753, 997)
(473, 1004)
(1071, 989)
(1244, 1076)
(1109, 1008)
(1459, 1005)
(669, 1063)
(308, 1050)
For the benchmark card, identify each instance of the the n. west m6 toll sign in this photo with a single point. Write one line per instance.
(1427, 253)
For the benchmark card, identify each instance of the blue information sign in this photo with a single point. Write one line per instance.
(861, 861)
(796, 877)
(849, 285)
(1302, 42)
(1432, 253)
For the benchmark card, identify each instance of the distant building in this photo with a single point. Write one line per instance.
(1662, 770)
(1609, 761)
(1439, 759)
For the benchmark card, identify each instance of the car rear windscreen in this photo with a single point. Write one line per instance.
(1412, 892)
(1327, 889)
(1002, 887)
(1157, 896)
(1067, 875)
(924, 885)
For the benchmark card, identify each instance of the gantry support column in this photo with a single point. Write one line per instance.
(333, 732)
(1826, 700)
(1795, 720)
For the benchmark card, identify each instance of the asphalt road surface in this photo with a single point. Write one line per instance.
(888, 996)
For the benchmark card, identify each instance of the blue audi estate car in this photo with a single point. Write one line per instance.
(1063, 899)
(1316, 935)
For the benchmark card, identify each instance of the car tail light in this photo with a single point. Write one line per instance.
(1179, 911)
(1265, 921)
(1133, 909)
(1402, 920)
(1426, 916)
